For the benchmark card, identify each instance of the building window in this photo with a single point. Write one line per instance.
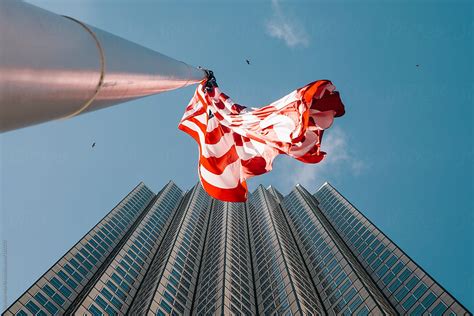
(67, 279)
(56, 297)
(46, 303)
(95, 311)
(63, 289)
(105, 306)
(34, 309)
(439, 309)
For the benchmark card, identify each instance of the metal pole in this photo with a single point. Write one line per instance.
(54, 67)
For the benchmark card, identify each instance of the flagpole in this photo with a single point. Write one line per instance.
(56, 67)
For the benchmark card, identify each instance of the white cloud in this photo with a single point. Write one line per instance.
(286, 28)
(339, 159)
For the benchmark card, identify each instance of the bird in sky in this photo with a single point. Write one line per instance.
(417, 65)
(247, 61)
(93, 145)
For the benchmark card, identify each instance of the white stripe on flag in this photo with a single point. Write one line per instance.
(229, 178)
(217, 150)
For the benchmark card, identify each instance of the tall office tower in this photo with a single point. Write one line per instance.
(184, 253)
(409, 289)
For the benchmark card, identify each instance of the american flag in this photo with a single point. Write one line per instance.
(237, 142)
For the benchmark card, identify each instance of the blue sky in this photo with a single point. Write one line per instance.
(403, 153)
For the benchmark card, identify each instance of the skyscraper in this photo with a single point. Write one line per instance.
(182, 253)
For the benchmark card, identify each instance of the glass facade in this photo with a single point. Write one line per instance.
(339, 284)
(226, 283)
(59, 287)
(407, 286)
(184, 253)
(113, 292)
(177, 284)
(281, 279)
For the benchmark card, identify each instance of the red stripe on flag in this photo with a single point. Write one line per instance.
(237, 194)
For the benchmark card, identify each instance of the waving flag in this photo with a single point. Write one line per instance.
(237, 143)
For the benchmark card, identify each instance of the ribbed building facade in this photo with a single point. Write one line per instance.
(184, 253)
